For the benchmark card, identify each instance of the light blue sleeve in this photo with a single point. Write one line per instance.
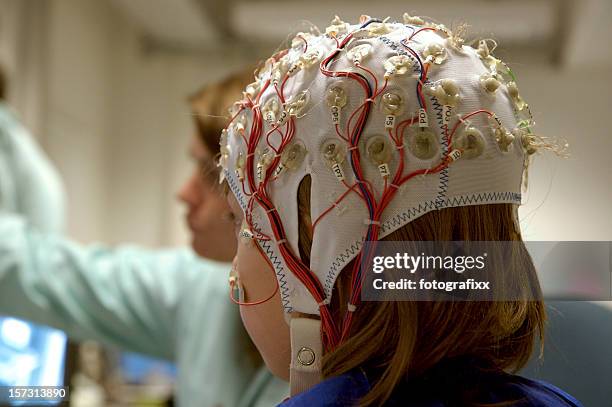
(29, 183)
(127, 297)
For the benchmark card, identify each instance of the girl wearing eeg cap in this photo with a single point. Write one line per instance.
(381, 131)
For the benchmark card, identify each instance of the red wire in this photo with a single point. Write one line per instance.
(355, 126)
(421, 83)
(344, 194)
(399, 130)
(422, 29)
(340, 134)
(388, 194)
(276, 287)
(293, 262)
(358, 65)
(467, 116)
(305, 43)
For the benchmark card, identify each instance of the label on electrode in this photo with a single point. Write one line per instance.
(497, 120)
(260, 171)
(389, 121)
(279, 169)
(338, 172)
(447, 111)
(247, 234)
(423, 119)
(384, 170)
(335, 114)
(270, 117)
(293, 70)
(455, 155)
(283, 118)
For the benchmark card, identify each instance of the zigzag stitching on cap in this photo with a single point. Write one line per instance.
(443, 186)
(422, 208)
(402, 218)
(438, 108)
(282, 277)
(279, 272)
(483, 197)
(396, 221)
(343, 257)
(234, 187)
(400, 51)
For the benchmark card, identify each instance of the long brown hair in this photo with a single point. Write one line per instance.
(401, 340)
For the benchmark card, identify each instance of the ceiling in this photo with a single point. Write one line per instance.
(560, 29)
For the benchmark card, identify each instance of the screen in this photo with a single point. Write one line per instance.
(30, 355)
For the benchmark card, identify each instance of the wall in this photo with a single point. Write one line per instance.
(111, 113)
(115, 120)
(78, 116)
(569, 199)
(153, 125)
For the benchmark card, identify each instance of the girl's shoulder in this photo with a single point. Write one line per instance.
(505, 389)
(337, 391)
(346, 390)
(538, 393)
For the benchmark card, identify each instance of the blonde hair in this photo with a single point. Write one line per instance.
(210, 104)
(406, 339)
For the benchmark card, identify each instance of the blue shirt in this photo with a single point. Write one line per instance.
(347, 389)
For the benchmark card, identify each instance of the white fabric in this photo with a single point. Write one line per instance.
(305, 334)
(493, 177)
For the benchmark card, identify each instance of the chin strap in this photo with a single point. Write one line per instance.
(306, 354)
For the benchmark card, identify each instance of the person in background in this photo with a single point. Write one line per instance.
(31, 187)
(169, 304)
(29, 184)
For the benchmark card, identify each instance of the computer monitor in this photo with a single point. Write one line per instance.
(30, 354)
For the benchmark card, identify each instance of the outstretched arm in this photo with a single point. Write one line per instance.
(127, 297)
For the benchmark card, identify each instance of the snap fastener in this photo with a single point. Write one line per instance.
(306, 356)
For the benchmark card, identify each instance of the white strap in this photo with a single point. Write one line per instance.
(306, 354)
